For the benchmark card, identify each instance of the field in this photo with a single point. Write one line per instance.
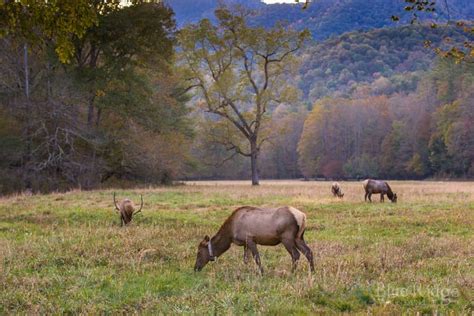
(66, 253)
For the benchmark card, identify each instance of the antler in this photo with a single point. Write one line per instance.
(115, 203)
(141, 205)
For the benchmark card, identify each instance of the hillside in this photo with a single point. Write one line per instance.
(324, 18)
(388, 59)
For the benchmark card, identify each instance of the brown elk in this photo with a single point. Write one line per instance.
(336, 190)
(126, 209)
(378, 187)
(250, 226)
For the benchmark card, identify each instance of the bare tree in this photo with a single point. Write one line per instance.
(240, 72)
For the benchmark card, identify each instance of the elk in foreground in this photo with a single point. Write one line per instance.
(336, 190)
(126, 209)
(250, 226)
(378, 187)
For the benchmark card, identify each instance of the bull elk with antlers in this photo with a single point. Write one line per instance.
(126, 209)
(336, 190)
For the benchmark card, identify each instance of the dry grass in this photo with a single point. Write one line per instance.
(66, 253)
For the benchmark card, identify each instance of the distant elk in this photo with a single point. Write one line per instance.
(250, 226)
(336, 190)
(378, 187)
(126, 209)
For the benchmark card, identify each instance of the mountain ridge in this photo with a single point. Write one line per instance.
(324, 18)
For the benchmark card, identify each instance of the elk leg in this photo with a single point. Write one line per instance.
(304, 248)
(293, 251)
(246, 254)
(253, 248)
(370, 197)
(365, 197)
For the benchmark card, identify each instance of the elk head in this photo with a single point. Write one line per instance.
(394, 198)
(126, 209)
(204, 254)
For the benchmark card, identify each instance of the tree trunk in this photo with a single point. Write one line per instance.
(97, 120)
(90, 112)
(28, 152)
(254, 162)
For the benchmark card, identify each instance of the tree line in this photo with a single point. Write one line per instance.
(88, 94)
(96, 94)
(381, 99)
(416, 135)
(403, 136)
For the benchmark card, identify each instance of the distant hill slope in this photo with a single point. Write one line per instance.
(386, 60)
(324, 18)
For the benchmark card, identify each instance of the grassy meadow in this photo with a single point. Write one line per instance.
(66, 253)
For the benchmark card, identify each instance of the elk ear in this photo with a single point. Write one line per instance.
(206, 238)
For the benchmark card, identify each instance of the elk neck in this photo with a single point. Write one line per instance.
(220, 243)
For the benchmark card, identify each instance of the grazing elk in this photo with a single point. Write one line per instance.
(336, 190)
(378, 187)
(126, 209)
(250, 226)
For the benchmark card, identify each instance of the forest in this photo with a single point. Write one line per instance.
(105, 94)
(325, 18)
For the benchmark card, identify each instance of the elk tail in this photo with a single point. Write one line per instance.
(365, 183)
(300, 218)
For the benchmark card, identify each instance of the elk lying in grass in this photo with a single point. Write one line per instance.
(248, 226)
(126, 209)
(336, 190)
(378, 187)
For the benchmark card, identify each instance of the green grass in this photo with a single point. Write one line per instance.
(66, 253)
